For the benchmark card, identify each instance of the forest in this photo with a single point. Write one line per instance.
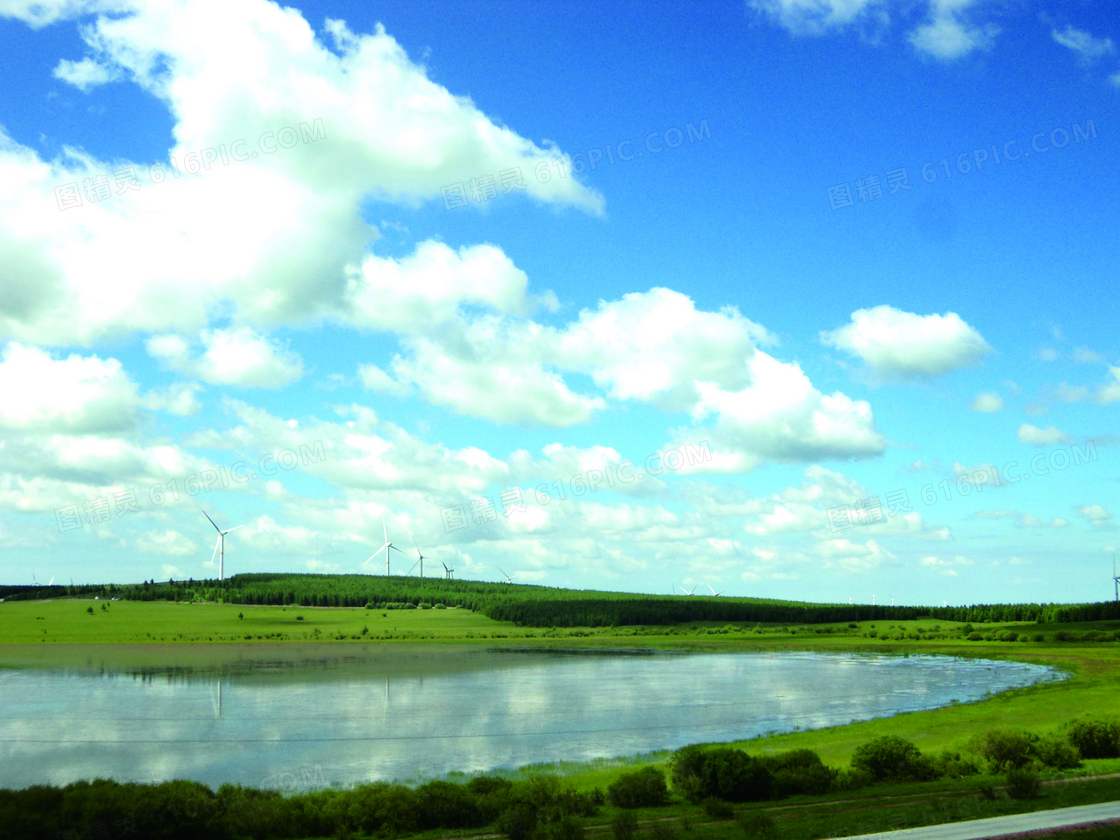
(543, 606)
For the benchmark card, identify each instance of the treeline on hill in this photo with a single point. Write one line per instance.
(542, 606)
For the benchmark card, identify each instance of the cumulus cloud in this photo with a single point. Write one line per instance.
(656, 346)
(987, 403)
(951, 30)
(782, 417)
(1041, 437)
(1096, 514)
(78, 394)
(235, 356)
(899, 345)
(814, 17)
(276, 238)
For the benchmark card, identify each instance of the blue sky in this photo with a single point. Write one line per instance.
(845, 267)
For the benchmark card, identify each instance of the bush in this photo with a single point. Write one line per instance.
(1022, 783)
(799, 772)
(624, 826)
(567, 828)
(639, 789)
(733, 775)
(1095, 737)
(975, 637)
(1006, 747)
(518, 822)
(1039, 637)
(755, 824)
(955, 766)
(717, 809)
(1009, 636)
(662, 831)
(1057, 752)
(853, 779)
(685, 767)
(893, 758)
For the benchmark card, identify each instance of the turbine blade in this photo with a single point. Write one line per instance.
(378, 551)
(384, 532)
(217, 542)
(212, 522)
(234, 528)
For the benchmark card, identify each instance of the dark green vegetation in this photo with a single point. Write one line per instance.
(710, 785)
(541, 606)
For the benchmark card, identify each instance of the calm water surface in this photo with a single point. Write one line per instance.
(294, 717)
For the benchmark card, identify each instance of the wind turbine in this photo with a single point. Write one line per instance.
(688, 591)
(419, 553)
(872, 600)
(507, 577)
(1115, 579)
(220, 545)
(387, 547)
(714, 593)
(448, 573)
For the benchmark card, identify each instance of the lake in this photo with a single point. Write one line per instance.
(300, 716)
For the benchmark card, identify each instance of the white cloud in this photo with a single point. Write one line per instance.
(1083, 43)
(899, 345)
(945, 565)
(275, 239)
(166, 542)
(235, 356)
(656, 346)
(482, 379)
(1094, 513)
(1041, 437)
(987, 403)
(375, 379)
(1114, 79)
(78, 394)
(782, 417)
(813, 17)
(85, 74)
(950, 31)
(178, 398)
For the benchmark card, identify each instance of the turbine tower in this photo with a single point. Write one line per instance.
(220, 545)
(448, 573)
(387, 547)
(419, 554)
(1115, 579)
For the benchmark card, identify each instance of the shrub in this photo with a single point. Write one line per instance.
(733, 775)
(567, 828)
(1006, 747)
(1009, 636)
(685, 767)
(1022, 783)
(891, 757)
(955, 766)
(852, 779)
(1057, 752)
(518, 822)
(755, 824)
(624, 826)
(1095, 737)
(975, 637)
(639, 789)
(799, 772)
(1039, 637)
(717, 809)
(662, 831)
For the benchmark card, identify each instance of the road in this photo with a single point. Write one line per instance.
(1004, 826)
